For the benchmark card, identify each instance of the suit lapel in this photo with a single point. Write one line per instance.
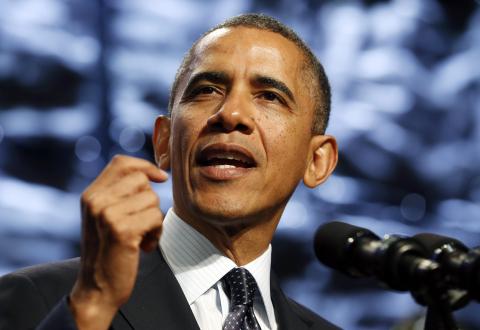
(157, 300)
(285, 313)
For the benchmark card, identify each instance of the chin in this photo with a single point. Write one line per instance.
(224, 211)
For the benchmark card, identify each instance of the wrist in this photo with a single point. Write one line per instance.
(90, 309)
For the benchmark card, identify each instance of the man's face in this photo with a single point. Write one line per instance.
(240, 127)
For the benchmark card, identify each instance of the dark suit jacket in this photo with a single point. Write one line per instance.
(28, 296)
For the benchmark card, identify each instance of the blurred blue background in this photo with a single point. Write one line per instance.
(81, 81)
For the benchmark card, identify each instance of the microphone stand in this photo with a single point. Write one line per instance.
(433, 291)
(440, 302)
(440, 317)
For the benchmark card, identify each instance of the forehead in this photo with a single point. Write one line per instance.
(242, 50)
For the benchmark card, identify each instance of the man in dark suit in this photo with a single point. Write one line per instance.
(248, 111)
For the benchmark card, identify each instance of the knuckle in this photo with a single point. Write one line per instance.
(157, 214)
(139, 181)
(119, 162)
(118, 232)
(94, 205)
(118, 159)
(107, 216)
(84, 200)
(117, 229)
(86, 197)
(141, 178)
(153, 198)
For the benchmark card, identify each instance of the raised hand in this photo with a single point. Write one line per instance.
(120, 216)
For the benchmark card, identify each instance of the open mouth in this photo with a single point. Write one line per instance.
(224, 156)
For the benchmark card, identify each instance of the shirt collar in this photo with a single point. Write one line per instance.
(198, 265)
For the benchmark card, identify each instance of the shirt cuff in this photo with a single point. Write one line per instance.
(59, 318)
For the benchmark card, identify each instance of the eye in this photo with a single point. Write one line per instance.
(272, 97)
(205, 90)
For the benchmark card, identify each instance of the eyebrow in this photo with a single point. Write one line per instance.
(219, 77)
(216, 77)
(266, 81)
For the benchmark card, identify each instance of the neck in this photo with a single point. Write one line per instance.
(243, 241)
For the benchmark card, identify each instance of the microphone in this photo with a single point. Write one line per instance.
(461, 265)
(396, 261)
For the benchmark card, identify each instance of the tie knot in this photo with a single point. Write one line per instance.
(241, 286)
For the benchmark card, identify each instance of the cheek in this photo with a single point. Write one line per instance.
(284, 138)
(287, 148)
(184, 132)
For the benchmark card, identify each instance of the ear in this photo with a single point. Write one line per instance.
(161, 142)
(323, 157)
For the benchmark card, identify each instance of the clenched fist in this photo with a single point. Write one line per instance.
(120, 216)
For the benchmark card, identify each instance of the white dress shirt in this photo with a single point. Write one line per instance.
(199, 267)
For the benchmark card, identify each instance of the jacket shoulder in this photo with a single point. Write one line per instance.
(49, 269)
(51, 281)
(27, 295)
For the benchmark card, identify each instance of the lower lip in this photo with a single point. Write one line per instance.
(218, 173)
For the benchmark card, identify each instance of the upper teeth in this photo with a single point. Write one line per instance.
(225, 166)
(225, 157)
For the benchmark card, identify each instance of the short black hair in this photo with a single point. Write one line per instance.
(313, 68)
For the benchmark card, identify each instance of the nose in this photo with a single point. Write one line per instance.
(234, 115)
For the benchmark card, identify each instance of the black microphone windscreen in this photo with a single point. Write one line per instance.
(332, 241)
